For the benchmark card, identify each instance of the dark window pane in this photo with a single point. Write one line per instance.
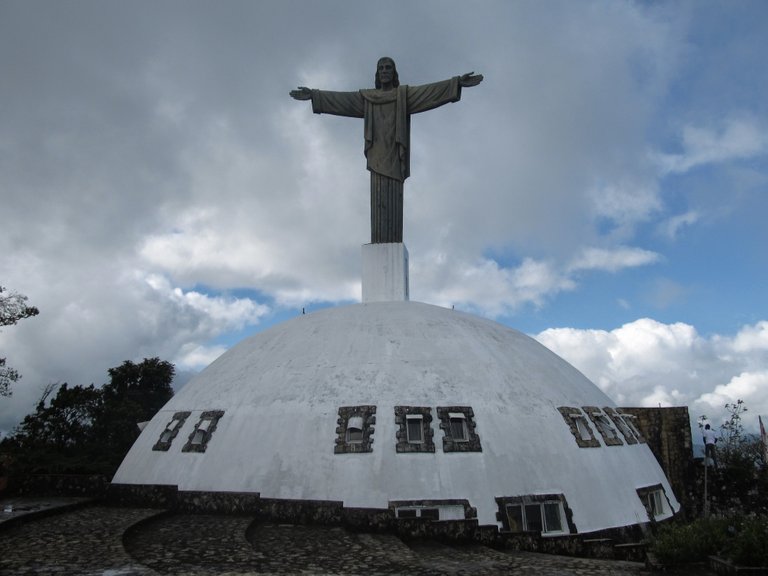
(406, 513)
(458, 429)
(414, 430)
(430, 513)
(354, 435)
(552, 517)
(515, 517)
(533, 517)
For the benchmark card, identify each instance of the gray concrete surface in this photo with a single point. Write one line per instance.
(97, 540)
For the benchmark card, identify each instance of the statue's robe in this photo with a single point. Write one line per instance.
(387, 115)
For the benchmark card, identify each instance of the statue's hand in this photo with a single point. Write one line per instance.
(470, 79)
(303, 93)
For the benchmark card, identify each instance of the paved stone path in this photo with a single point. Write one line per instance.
(104, 541)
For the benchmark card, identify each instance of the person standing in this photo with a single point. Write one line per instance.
(710, 439)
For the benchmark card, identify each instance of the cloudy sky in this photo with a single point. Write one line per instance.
(605, 189)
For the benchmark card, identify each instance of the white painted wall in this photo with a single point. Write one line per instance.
(281, 391)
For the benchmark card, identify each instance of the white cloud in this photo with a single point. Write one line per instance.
(672, 226)
(612, 260)
(647, 363)
(737, 138)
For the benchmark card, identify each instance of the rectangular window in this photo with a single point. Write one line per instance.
(515, 517)
(406, 513)
(458, 427)
(582, 427)
(552, 519)
(355, 430)
(200, 437)
(533, 514)
(533, 521)
(655, 501)
(430, 513)
(414, 429)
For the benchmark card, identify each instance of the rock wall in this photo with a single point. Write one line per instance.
(668, 433)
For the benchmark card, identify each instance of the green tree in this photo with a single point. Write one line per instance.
(13, 307)
(89, 429)
(134, 394)
(59, 436)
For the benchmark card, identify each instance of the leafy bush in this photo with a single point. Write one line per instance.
(684, 543)
(749, 547)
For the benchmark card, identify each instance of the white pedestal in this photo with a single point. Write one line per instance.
(385, 272)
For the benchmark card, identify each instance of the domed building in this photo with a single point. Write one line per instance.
(395, 412)
(410, 410)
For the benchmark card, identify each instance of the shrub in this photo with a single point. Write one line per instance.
(749, 547)
(684, 543)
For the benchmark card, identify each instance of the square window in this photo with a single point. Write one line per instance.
(171, 430)
(354, 433)
(604, 426)
(459, 429)
(200, 437)
(655, 501)
(579, 427)
(413, 429)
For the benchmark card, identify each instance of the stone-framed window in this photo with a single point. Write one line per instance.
(604, 426)
(546, 514)
(204, 429)
(579, 427)
(414, 429)
(354, 432)
(631, 421)
(656, 503)
(171, 430)
(458, 426)
(619, 422)
(435, 510)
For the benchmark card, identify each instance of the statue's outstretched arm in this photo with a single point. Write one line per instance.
(302, 93)
(470, 79)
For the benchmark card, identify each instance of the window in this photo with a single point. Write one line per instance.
(414, 429)
(544, 517)
(547, 514)
(579, 427)
(435, 510)
(458, 426)
(616, 418)
(170, 431)
(631, 421)
(200, 437)
(354, 431)
(655, 501)
(604, 426)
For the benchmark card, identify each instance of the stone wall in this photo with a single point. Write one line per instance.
(668, 433)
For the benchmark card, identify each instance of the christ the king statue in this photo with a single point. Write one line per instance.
(387, 113)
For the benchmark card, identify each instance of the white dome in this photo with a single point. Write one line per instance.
(280, 392)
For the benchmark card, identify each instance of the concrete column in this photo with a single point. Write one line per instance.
(385, 272)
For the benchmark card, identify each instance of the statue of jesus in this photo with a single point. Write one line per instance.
(387, 113)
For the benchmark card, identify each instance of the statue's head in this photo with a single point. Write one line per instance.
(386, 72)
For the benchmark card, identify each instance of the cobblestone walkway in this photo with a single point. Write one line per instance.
(105, 541)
